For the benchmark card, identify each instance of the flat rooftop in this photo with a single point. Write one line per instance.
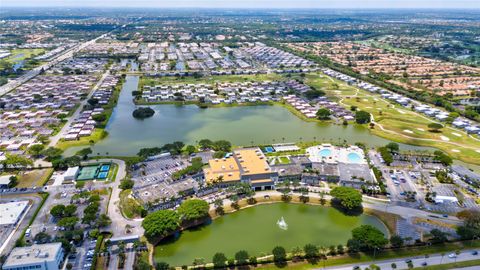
(33, 254)
(10, 212)
(252, 161)
(226, 168)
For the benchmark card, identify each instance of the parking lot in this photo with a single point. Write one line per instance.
(154, 183)
(157, 171)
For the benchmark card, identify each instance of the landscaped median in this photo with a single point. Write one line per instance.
(130, 207)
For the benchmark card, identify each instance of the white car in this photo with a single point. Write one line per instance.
(452, 256)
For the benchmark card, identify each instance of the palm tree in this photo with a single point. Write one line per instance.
(457, 252)
(323, 255)
(322, 198)
(296, 252)
(442, 254)
(121, 246)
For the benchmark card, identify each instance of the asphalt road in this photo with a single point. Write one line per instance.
(434, 259)
(118, 221)
(34, 72)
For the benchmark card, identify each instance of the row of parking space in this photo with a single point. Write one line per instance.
(445, 207)
(407, 230)
(84, 261)
(157, 171)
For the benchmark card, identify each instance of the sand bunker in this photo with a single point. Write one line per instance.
(444, 138)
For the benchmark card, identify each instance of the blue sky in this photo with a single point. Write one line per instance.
(253, 3)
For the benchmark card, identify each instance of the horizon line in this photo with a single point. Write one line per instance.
(252, 8)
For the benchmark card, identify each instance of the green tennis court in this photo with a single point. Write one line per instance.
(87, 173)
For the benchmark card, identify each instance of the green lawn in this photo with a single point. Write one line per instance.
(34, 178)
(284, 160)
(129, 206)
(97, 135)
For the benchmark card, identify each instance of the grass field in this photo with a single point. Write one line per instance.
(22, 54)
(34, 178)
(130, 207)
(283, 160)
(97, 135)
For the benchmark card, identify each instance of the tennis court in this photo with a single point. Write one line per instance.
(105, 168)
(102, 175)
(87, 173)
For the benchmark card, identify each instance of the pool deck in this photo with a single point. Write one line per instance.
(336, 154)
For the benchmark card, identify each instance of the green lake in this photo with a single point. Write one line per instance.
(241, 125)
(255, 230)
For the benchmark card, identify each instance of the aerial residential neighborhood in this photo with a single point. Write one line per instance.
(239, 135)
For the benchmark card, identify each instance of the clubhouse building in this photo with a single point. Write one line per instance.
(248, 165)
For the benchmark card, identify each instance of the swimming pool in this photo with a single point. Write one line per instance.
(354, 158)
(102, 175)
(105, 168)
(325, 152)
(269, 149)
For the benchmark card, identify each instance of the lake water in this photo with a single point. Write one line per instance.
(255, 230)
(243, 126)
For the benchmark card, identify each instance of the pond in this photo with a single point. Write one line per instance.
(242, 125)
(257, 230)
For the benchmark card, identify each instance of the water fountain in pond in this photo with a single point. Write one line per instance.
(282, 224)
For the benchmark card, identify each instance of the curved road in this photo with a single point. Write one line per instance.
(113, 210)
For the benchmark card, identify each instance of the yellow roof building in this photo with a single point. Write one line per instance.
(247, 165)
(222, 170)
